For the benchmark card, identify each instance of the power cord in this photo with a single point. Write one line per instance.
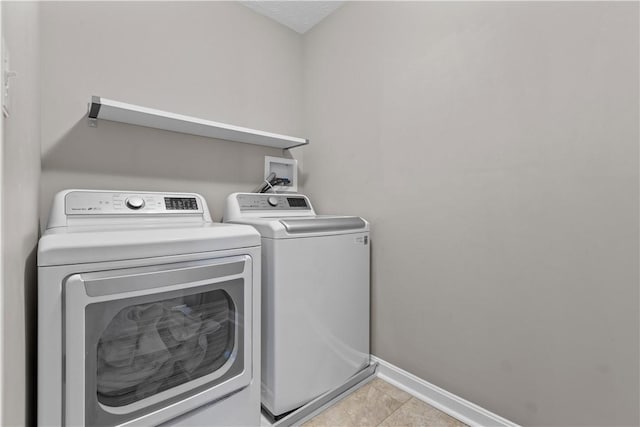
(270, 182)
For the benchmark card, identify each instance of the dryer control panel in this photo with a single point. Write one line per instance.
(99, 207)
(109, 203)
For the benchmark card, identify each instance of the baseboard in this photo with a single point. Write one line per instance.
(465, 411)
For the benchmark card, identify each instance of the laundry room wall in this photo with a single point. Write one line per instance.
(494, 148)
(215, 60)
(20, 186)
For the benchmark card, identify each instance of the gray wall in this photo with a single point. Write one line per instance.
(215, 60)
(494, 147)
(20, 184)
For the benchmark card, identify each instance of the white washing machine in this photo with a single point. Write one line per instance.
(148, 313)
(315, 296)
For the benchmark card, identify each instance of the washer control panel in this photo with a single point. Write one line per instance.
(273, 202)
(114, 203)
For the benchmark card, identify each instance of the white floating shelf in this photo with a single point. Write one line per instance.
(107, 109)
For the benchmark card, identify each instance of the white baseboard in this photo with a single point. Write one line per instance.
(459, 408)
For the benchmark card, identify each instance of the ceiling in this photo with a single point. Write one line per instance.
(300, 16)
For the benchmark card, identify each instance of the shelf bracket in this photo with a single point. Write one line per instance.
(94, 109)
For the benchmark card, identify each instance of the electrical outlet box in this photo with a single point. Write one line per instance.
(283, 168)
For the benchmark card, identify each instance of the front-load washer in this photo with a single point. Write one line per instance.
(315, 296)
(148, 313)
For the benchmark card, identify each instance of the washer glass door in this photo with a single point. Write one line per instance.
(157, 341)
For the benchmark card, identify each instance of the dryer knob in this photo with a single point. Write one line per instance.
(135, 202)
(273, 201)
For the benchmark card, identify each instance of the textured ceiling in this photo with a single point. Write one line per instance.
(300, 16)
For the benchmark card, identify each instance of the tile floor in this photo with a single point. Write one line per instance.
(378, 403)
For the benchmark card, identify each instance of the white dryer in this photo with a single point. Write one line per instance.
(148, 313)
(315, 296)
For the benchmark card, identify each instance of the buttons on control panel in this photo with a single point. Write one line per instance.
(273, 201)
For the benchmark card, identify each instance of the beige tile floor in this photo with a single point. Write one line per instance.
(378, 403)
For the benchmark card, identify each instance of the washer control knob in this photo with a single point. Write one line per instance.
(273, 201)
(135, 202)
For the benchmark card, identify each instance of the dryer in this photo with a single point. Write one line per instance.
(315, 296)
(148, 313)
